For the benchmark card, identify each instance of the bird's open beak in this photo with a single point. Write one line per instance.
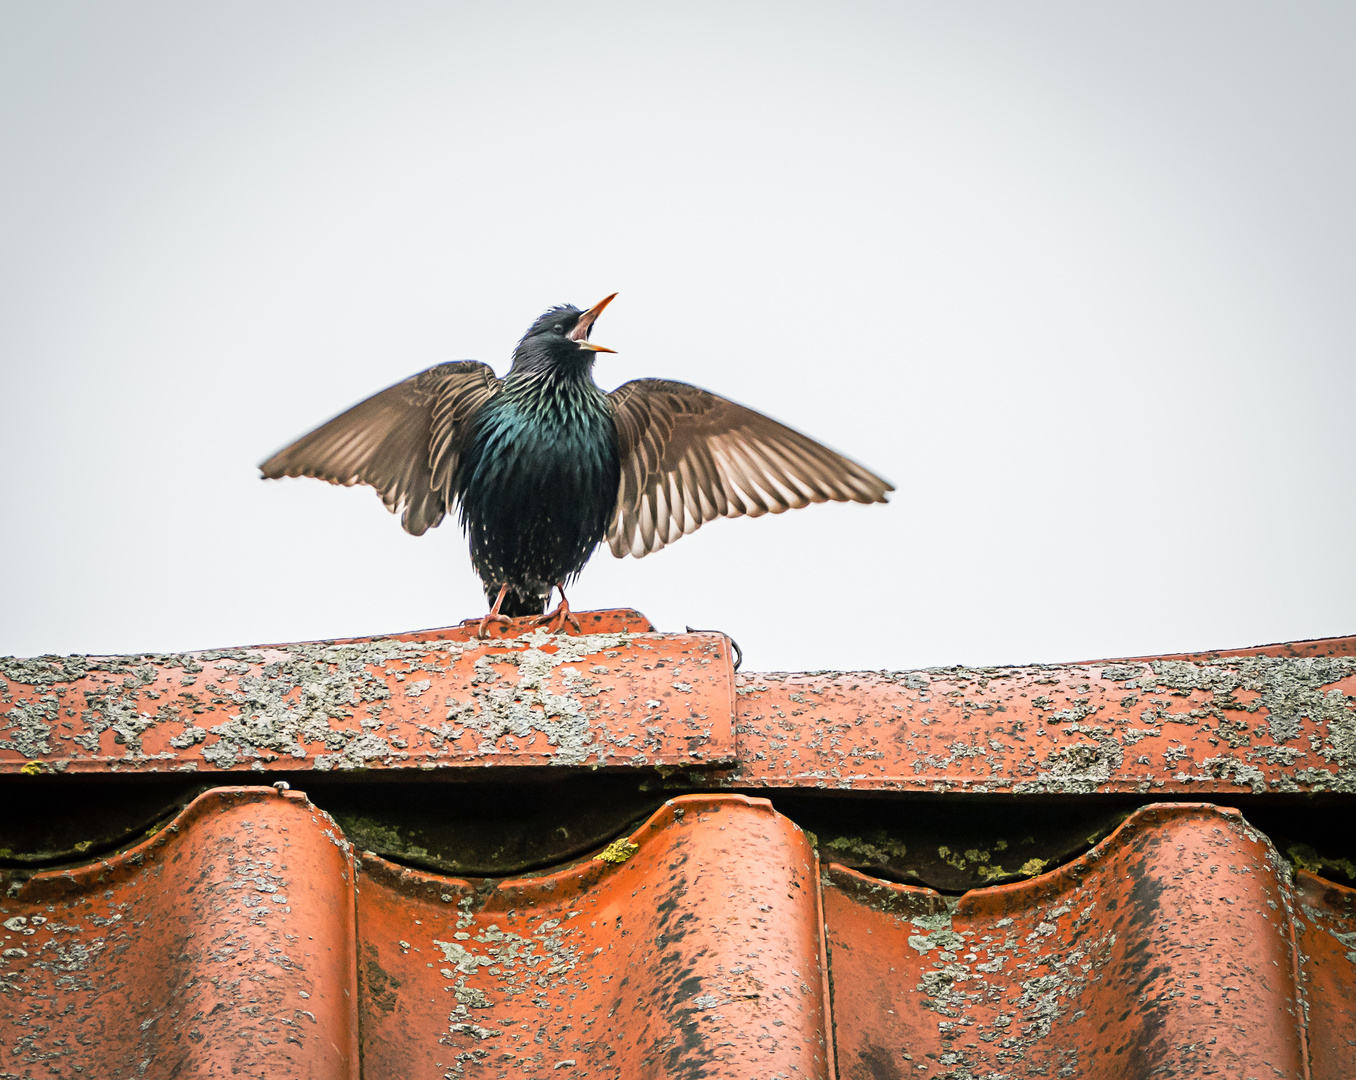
(580, 333)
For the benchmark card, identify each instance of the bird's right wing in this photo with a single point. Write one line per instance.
(688, 457)
(404, 441)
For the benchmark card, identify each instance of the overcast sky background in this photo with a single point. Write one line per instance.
(1079, 279)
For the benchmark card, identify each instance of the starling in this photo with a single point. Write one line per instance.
(543, 465)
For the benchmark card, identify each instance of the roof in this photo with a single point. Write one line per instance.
(612, 855)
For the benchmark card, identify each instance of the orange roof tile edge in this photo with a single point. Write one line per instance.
(1243, 722)
(1336, 646)
(231, 942)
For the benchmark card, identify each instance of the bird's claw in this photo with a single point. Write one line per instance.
(558, 617)
(492, 617)
(562, 613)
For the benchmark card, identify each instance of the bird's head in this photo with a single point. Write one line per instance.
(560, 338)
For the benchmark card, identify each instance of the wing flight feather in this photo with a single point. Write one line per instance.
(404, 441)
(689, 457)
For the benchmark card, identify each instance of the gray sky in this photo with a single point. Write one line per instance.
(1077, 278)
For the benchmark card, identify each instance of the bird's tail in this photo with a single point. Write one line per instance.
(515, 604)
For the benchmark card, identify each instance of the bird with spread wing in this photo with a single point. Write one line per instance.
(543, 466)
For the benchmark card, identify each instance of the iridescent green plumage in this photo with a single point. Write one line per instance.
(537, 479)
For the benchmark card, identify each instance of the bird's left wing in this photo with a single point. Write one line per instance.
(688, 457)
(403, 441)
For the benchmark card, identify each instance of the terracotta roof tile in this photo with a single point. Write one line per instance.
(413, 701)
(221, 946)
(1168, 950)
(1236, 723)
(228, 942)
(1325, 924)
(1338, 646)
(699, 954)
(244, 937)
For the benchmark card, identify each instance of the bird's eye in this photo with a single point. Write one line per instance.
(560, 329)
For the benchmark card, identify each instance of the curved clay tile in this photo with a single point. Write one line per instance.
(699, 955)
(228, 945)
(1168, 950)
(222, 946)
(1325, 925)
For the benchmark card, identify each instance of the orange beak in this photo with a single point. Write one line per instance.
(580, 333)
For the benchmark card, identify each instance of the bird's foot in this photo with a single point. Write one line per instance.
(483, 632)
(494, 616)
(561, 615)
